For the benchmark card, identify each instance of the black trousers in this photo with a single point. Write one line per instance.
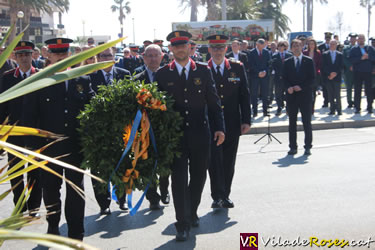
(33, 178)
(74, 204)
(361, 78)
(103, 196)
(262, 85)
(194, 160)
(221, 170)
(279, 92)
(152, 194)
(300, 102)
(334, 95)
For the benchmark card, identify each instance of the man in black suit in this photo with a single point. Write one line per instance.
(105, 77)
(299, 74)
(55, 109)
(236, 54)
(231, 84)
(331, 74)
(152, 58)
(259, 65)
(14, 110)
(193, 89)
(133, 61)
(362, 57)
(323, 48)
(278, 60)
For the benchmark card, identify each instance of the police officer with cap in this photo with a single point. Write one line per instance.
(348, 68)
(55, 109)
(14, 110)
(193, 52)
(165, 59)
(134, 60)
(193, 89)
(231, 84)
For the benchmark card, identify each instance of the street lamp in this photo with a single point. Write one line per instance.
(133, 32)
(20, 15)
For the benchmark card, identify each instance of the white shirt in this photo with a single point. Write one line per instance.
(236, 56)
(179, 68)
(300, 60)
(105, 75)
(27, 73)
(214, 65)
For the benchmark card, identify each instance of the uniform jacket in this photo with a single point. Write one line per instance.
(97, 78)
(258, 64)
(55, 109)
(328, 67)
(131, 63)
(234, 95)
(8, 65)
(362, 65)
(13, 108)
(304, 77)
(242, 57)
(346, 57)
(323, 47)
(195, 98)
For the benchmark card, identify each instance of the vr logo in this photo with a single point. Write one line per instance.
(248, 241)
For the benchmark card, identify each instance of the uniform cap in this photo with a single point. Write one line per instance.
(58, 45)
(24, 46)
(179, 37)
(217, 40)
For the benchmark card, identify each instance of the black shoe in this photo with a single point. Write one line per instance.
(182, 235)
(331, 113)
(124, 206)
(325, 106)
(278, 112)
(350, 106)
(165, 199)
(265, 113)
(53, 230)
(228, 203)
(357, 111)
(105, 211)
(339, 113)
(370, 111)
(255, 114)
(195, 222)
(292, 152)
(154, 206)
(307, 151)
(217, 203)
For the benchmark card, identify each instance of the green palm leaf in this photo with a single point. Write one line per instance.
(4, 56)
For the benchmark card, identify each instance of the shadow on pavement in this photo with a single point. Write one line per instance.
(113, 225)
(289, 160)
(213, 222)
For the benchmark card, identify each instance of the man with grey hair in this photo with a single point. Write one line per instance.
(259, 64)
(152, 58)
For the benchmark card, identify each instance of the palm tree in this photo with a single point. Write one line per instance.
(46, 6)
(123, 9)
(367, 4)
(193, 4)
(308, 11)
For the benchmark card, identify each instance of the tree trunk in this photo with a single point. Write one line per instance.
(194, 11)
(26, 21)
(309, 15)
(304, 16)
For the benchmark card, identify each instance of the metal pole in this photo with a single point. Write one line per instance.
(133, 31)
(223, 9)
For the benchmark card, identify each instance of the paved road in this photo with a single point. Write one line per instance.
(327, 195)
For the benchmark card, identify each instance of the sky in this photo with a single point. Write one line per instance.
(153, 19)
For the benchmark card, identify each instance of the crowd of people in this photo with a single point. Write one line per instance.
(217, 100)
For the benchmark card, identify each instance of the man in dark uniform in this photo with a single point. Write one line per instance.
(278, 60)
(152, 58)
(323, 48)
(259, 65)
(193, 89)
(362, 57)
(134, 60)
(14, 109)
(298, 75)
(165, 59)
(231, 84)
(331, 74)
(193, 52)
(348, 69)
(8, 65)
(145, 44)
(105, 77)
(55, 109)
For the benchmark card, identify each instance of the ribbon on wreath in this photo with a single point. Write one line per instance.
(138, 145)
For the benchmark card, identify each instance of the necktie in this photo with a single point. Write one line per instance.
(260, 54)
(183, 75)
(218, 73)
(108, 81)
(24, 76)
(298, 65)
(282, 57)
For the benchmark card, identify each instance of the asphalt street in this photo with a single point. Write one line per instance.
(328, 195)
